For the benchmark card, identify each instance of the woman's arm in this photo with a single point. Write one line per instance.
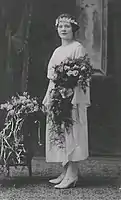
(46, 98)
(50, 74)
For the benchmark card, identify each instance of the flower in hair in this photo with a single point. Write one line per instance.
(65, 19)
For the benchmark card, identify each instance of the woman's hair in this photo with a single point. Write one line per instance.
(69, 18)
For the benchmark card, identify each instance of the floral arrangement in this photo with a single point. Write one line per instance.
(11, 137)
(67, 76)
(65, 19)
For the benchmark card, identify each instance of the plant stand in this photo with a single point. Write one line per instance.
(27, 164)
(31, 137)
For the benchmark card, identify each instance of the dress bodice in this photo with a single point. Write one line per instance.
(72, 50)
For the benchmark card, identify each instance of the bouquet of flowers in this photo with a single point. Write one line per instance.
(67, 76)
(70, 72)
(11, 137)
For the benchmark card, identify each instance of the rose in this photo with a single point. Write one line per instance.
(60, 69)
(29, 105)
(69, 92)
(66, 67)
(34, 101)
(23, 101)
(25, 93)
(36, 108)
(83, 68)
(62, 92)
(22, 108)
(69, 73)
(88, 80)
(75, 67)
(14, 103)
(75, 73)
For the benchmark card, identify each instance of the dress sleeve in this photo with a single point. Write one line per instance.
(50, 74)
(50, 71)
(79, 51)
(79, 96)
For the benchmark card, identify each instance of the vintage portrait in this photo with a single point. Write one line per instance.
(60, 100)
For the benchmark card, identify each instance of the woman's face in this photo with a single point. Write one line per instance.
(65, 30)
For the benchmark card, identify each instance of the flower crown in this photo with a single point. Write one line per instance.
(65, 19)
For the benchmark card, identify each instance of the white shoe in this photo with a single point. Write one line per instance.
(67, 182)
(57, 180)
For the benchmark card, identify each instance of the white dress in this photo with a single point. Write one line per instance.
(76, 143)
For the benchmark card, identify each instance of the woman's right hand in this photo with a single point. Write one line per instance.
(44, 109)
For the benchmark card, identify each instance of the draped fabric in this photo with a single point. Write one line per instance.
(76, 143)
(18, 52)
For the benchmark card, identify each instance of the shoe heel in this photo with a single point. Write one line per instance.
(75, 182)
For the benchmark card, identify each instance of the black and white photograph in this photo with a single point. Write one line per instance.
(60, 100)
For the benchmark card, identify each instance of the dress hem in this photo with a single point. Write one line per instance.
(50, 161)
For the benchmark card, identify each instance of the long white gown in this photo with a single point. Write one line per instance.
(76, 143)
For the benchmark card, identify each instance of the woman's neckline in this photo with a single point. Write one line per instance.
(65, 45)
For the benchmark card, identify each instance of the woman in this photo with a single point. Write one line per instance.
(76, 142)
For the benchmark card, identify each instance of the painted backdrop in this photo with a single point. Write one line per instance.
(92, 16)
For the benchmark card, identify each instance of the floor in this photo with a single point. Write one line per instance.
(99, 179)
